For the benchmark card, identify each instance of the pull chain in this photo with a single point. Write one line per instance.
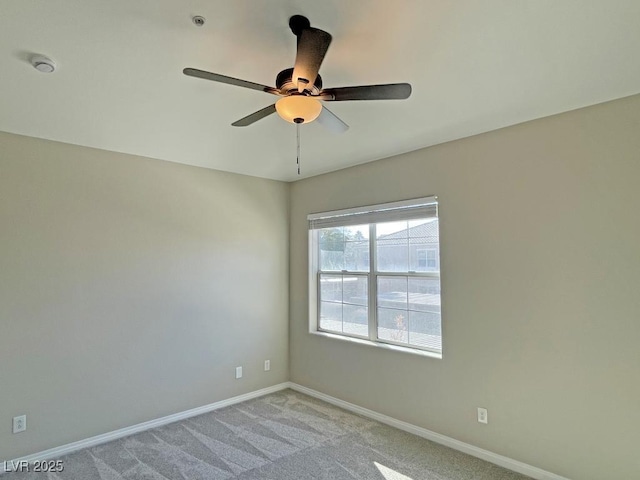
(298, 122)
(298, 146)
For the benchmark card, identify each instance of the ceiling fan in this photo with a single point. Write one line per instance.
(300, 87)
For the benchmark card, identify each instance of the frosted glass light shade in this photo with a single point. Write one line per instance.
(298, 106)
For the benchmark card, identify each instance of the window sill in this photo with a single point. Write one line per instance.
(385, 346)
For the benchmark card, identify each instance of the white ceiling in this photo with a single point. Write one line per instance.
(474, 65)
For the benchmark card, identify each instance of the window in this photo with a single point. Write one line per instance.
(375, 274)
(427, 258)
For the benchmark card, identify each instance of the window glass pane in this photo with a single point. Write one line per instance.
(393, 325)
(344, 248)
(331, 245)
(423, 245)
(355, 320)
(356, 248)
(355, 290)
(424, 330)
(424, 313)
(331, 260)
(357, 233)
(392, 292)
(424, 294)
(344, 303)
(392, 246)
(331, 316)
(331, 288)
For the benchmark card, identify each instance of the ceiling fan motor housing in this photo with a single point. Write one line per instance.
(285, 83)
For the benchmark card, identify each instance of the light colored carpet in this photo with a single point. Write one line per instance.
(282, 436)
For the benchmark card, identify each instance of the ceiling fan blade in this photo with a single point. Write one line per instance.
(312, 47)
(392, 91)
(194, 72)
(331, 121)
(255, 116)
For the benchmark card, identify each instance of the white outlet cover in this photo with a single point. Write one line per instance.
(483, 415)
(267, 365)
(238, 372)
(19, 423)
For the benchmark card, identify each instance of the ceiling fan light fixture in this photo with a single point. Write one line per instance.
(296, 107)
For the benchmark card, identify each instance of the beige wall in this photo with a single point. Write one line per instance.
(130, 289)
(540, 232)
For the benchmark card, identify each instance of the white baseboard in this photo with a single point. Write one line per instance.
(57, 452)
(500, 460)
(494, 458)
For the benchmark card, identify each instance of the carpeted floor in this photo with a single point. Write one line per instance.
(282, 436)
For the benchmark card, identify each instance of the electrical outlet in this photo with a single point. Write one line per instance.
(483, 415)
(267, 365)
(19, 424)
(238, 372)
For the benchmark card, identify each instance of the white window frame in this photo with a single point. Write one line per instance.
(403, 210)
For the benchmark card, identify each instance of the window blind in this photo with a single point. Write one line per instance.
(385, 212)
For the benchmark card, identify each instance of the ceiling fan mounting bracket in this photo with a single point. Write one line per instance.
(298, 23)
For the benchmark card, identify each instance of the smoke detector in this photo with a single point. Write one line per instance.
(43, 64)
